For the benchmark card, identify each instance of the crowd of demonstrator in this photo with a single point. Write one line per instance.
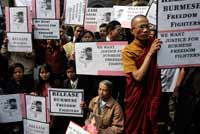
(131, 104)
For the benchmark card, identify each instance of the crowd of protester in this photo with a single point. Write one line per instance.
(120, 105)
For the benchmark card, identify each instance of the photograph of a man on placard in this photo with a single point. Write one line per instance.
(106, 17)
(18, 19)
(45, 9)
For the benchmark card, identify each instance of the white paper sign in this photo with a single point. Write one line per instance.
(18, 19)
(151, 15)
(46, 29)
(10, 108)
(178, 28)
(99, 58)
(23, 3)
(19, 42)
(124, 14)
(65, 102)
(36, 108)
(34, 127)
(75, 11)
(45, 9)
(94, 17)
(75, 129)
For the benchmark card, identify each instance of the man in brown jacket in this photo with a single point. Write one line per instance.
(108, 112)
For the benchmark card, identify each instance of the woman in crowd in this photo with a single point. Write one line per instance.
(17, 82)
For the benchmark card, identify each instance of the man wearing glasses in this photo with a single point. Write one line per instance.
(143, 87)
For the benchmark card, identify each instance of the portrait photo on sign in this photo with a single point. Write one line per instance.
(10, 108)
(18, 19)
(36, 108)
(106, 17)
(45, 9)
(86, 56)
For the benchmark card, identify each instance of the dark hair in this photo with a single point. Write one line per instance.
(12, 68)
(88, 49)
(85, 32)
(78, 26)
(38, 102)
(71, 64)
(40, 81)
(112, 25)
(103, 25)
(12, 100)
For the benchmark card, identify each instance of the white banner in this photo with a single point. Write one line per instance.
(10, 108)
(75, 129)
(178, 28)
(46, 29)
(94, 17)
(99, 58)
(36, 108)
(124, 14)
(75, 11)
(65, 102)
(19, 42)
(151, 15)
(18, 19)
(34, 127)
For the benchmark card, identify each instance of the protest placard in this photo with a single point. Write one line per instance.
(46, 9)
(19, 42)
(36, 108)
(46, 29)
(65, 102)
(23, 3)
(34, 127)
(75, 129)
(18, 19)
(124, 14)
(178, 28)
(10, 108)
(152, 13)
(99, 58)
(94, 17)
(75, 11)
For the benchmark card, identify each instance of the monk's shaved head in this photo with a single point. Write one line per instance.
(135, 20)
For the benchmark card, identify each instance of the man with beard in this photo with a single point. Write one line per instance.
(143, 87)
